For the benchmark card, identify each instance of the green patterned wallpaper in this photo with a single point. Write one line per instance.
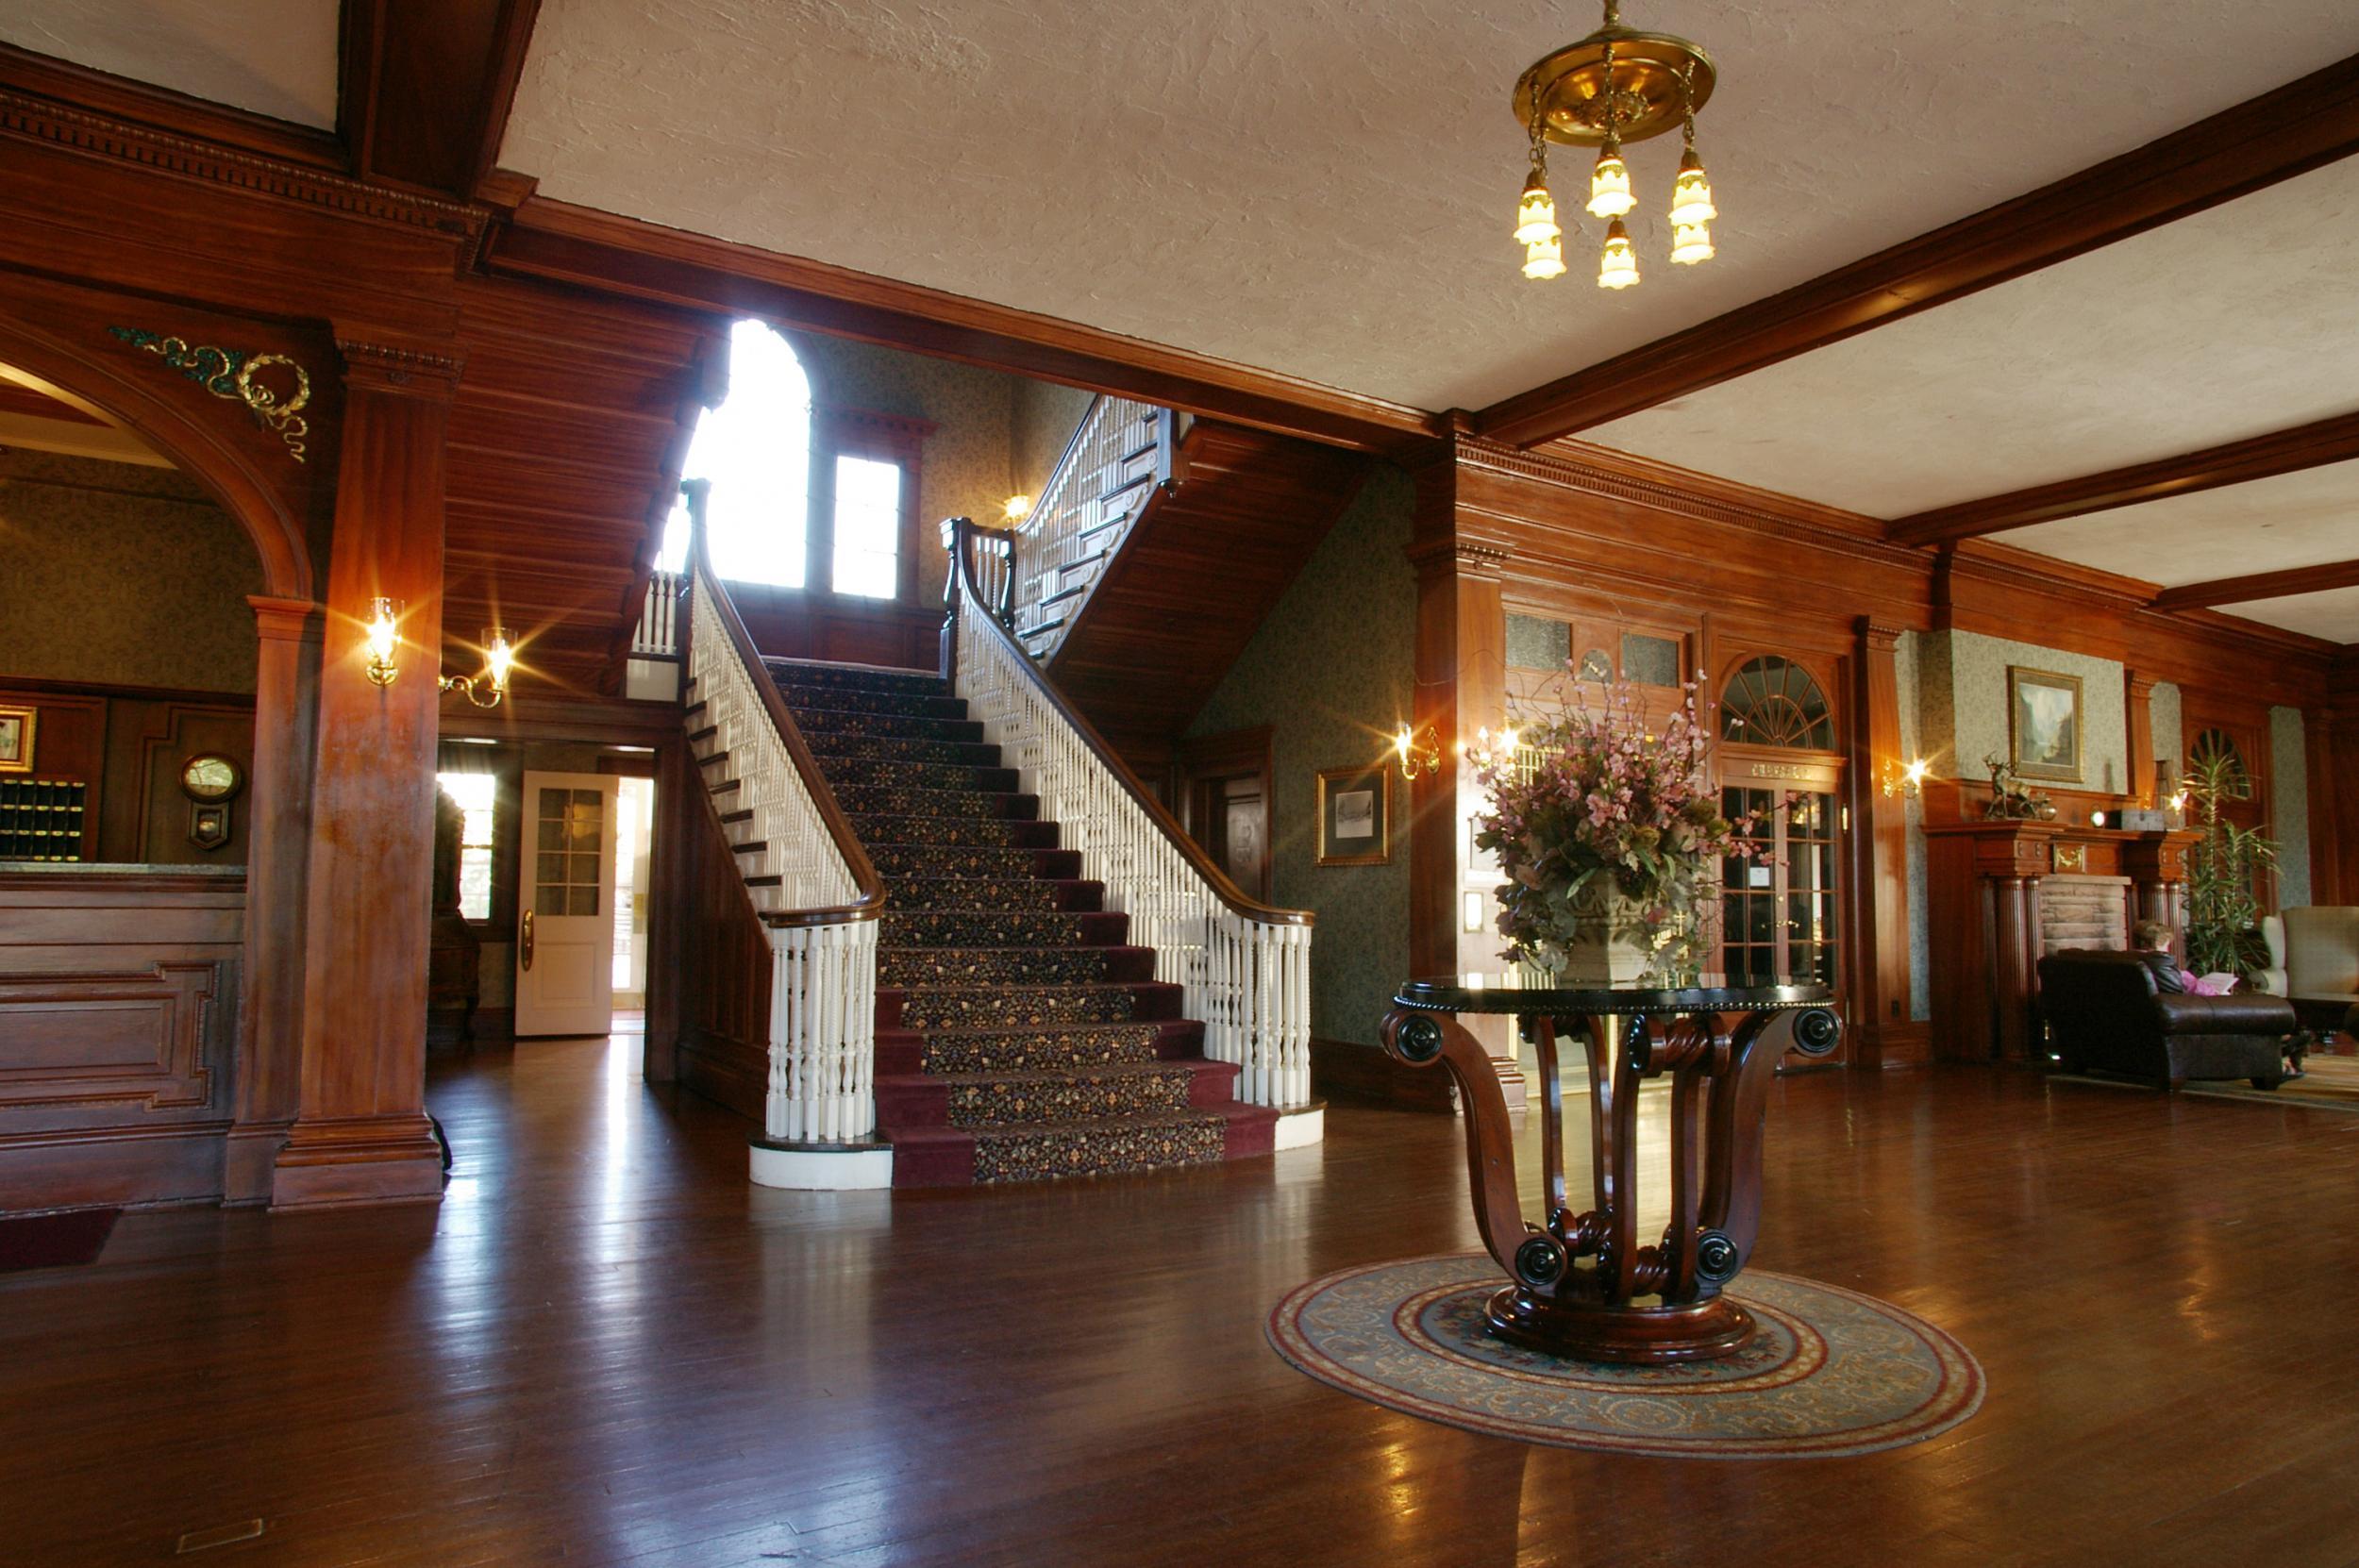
(2290, 806)
(1331, 672)
(1963, 703)
(123, 574)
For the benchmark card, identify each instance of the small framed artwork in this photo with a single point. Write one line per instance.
(2044, 723)
(1356, 816)
(16, 739)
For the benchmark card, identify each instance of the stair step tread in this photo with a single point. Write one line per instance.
(1165, 1067)
(743, 813)
(751, 847)
(1071, 1130)
(706, 733)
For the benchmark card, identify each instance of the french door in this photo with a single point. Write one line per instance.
(1778, 908)
(565, 929)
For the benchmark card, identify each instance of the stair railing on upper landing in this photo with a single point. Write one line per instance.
(1121, 452)
(821, 920)
(1244, 967)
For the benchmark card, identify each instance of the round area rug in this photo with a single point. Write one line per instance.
(1830, 1372)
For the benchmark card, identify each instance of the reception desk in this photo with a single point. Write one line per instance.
(118, 988)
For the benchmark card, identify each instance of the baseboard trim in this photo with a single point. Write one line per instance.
(1301, 1127)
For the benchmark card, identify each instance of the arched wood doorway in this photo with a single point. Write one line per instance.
(1779, 736)
(267, 1046)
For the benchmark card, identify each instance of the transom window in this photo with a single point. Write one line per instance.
(1773, 702)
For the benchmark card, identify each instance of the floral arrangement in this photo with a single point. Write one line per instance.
(1605, 825)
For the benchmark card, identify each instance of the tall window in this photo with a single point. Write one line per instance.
(867, 527)
(475, 793)
(756, 450)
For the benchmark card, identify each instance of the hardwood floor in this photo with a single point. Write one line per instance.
(605, 1348)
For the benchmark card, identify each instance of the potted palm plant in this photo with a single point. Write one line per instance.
(2223, 866)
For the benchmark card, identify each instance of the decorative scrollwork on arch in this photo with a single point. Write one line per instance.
(235, 375)
(1773, 701)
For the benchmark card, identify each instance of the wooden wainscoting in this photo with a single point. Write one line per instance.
(723, 982)
(118, 1031)
(788, 622)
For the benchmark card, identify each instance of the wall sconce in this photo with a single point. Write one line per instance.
(1419, 753)
(1907, 782)
(1019, 507)
(499, 658)
(1472, 909)
(384, 637)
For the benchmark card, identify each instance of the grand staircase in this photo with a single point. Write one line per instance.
(1019, 1034)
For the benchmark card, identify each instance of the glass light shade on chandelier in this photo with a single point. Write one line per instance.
(1544, 258)
(1535, 214)
(1691, 193)
(1609, 184)
(1691, 243)
(1617, 266)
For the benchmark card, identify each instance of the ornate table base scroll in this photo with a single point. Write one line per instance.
(1582, 1285)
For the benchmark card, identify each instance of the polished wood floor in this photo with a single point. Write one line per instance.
(605, 1348)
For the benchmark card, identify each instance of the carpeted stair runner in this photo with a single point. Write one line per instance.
(1020, 1035)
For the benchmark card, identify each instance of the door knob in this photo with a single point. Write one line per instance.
(526, 942)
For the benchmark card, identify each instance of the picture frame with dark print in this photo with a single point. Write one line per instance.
(16, 739)
(2044, 726)
(1355, 817)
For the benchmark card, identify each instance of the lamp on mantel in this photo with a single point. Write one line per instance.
(1615, 87)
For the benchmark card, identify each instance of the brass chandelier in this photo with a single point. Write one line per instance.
(1617, 85)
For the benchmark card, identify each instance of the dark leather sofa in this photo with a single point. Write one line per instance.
(2104, 1012)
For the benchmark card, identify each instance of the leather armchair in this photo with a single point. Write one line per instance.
(2104, 1012)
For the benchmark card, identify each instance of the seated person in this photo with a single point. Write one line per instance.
(2151, 941)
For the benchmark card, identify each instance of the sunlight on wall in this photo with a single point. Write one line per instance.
(756, 449)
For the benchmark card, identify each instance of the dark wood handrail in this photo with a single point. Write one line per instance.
(871, 901)
(963, 531)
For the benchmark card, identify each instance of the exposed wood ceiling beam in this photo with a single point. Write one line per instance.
(2328, 441)
(2279, 134)
(556, 241)
(2261, 585)
(426, 87)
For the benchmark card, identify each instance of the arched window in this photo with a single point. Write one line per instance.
(2218, 745)
(756, 449)
(1773, 702)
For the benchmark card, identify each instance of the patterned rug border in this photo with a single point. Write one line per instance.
(2286, 1095)
(1954, 1400)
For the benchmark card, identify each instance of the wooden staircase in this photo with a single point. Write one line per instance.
(1202, 563)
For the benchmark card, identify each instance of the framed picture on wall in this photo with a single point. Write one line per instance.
(16, 739)
(1356, 816)
(2044, 723)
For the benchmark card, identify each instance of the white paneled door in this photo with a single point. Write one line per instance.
(566, 934)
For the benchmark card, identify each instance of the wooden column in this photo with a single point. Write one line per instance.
(1983, 886)
(2156, 864)
(1881, 1033)
(286, 701)
(1460, 686)
(360, 1133)
(2139, 707)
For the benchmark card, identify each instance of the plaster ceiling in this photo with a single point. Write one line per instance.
(2334, 614)
(2309, 518)
(2234, 323)
(1324, 188)
(273, 56)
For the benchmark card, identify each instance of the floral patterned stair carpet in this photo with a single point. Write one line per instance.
(1019, 1035)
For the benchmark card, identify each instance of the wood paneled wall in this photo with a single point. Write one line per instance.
(724, 970)
(127, 745)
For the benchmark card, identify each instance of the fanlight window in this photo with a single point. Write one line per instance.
(1773, 702)
(2217, 744)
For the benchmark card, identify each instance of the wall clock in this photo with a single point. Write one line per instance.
(212, 777)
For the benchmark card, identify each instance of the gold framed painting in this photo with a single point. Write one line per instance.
(16, 739)
(1356, 816)
(2044, 725)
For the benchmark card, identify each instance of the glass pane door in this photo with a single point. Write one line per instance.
(1777, 911)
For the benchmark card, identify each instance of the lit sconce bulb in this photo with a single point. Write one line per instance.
(1544, 258)
(1402, 742)
(1609, 184)
(1019, 507)
(1691, 193)
(499, 656)
(1507, 740)
(1691, 243)
(384, 638)
(1618, 267)
(1535, 214)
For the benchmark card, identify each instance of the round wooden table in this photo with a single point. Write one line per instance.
(1582, 1285)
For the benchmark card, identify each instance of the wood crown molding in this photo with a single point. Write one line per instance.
(2282, 133)
(2259, 586)
(557, 242)
(2313, 445)
(1466, 556)
(284, 620)
(29, 118)
(409, 369)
